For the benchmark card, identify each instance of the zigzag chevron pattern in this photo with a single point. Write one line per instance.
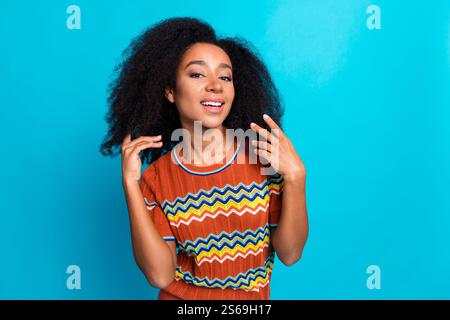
(252, 280)
(226, 213)
(226, 200)
(150, 205)
(227, 245)
(231, 246)
(275, 183)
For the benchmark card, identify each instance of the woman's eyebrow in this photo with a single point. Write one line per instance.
(203, 63)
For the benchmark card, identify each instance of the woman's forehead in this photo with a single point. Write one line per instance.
(205, 53)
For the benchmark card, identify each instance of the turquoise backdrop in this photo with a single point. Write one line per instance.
(367, 97)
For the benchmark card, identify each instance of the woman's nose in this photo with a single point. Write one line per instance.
(214, 85)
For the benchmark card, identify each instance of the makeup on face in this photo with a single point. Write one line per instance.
(210, 104)
(205, 90)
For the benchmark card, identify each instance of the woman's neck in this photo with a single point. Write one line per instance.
(207, 145)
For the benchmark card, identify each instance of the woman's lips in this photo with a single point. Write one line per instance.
(212, 109)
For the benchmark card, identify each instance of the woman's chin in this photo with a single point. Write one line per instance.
(212, 123)
(209, 122)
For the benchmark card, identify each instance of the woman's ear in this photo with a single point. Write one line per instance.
(169, 95)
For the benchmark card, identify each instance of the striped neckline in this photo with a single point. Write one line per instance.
(205, 170)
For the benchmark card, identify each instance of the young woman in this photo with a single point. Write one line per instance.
(209, 229)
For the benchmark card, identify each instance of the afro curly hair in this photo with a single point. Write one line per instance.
(137, 101)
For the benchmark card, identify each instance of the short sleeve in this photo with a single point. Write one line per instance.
(275, 184)
(147, 185)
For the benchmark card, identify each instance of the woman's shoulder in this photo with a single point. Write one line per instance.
(153, 169)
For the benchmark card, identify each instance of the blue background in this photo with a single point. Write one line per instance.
(367, 110)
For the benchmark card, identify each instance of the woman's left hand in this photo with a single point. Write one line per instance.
(279, 151)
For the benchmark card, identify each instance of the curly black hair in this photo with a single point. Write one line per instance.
(137, 102)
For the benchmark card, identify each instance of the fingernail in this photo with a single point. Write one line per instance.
(265, 116)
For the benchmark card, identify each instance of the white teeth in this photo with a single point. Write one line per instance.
(210, 103)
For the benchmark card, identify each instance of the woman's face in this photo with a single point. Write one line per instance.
(204, 86)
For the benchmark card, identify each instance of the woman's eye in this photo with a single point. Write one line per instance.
(198, 75)
(195, 75)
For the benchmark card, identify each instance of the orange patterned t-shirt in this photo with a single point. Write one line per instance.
(220, 217)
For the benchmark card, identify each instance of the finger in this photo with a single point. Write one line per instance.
(144, 138)
(263, 154)
(145, 145)
(127, 138)
(264, 145)
(261, 131)
(275, 128)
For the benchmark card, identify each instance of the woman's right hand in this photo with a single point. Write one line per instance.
(131, 162)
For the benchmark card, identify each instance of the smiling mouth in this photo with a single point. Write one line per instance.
(212, 107)
(212, 104)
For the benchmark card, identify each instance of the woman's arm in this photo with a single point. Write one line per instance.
(155, 257)
(289, 238)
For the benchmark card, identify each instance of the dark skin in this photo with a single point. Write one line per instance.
(211, 79)
(205, 71)
(289, 238)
